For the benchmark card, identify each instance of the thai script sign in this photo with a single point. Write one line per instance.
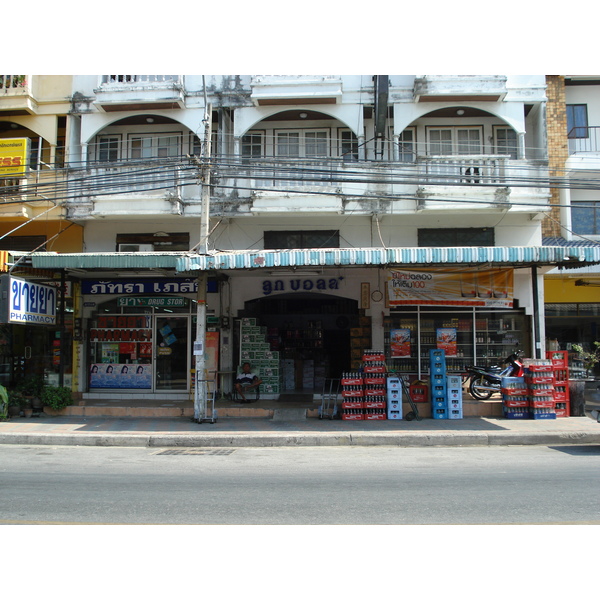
(451, 287)
(13, 156)
(27, 302)
(300, 285)
(144, 301)
(139, 286)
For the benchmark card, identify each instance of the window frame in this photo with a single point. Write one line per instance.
(497, 150)
(412, 142)
(270, 236)
(118, 138)
(352, 154)
(463, 236)
(454, 142)
(153, 137)
(302, 142)
(260, 133)
(571, 117)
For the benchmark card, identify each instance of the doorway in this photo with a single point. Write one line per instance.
(171, 348)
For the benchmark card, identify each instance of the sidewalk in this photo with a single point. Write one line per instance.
(236, 432)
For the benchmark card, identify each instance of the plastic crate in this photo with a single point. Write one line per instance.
(352, 393)
(541, 403)
(419, 391)
(374, 404)
(516, 402)
(439, 413)
(514, 392)
(354, 381)
(353, 405)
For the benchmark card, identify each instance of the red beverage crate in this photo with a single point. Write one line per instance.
(515, 392)
(539, 403)
(373, 404)
(515, 403)
(559, 358)
(538, 368)
(373, 357)
(543, 392)
(353, 405)
(352, 381)
(561, 375)
(374, 369)
(374, 381)
(419, 392)
(353, 417)
(376, 392)
(352, 393)
(540, 379)
(375, 417)
(563, 409)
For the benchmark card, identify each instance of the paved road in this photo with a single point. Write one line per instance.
(309, 486)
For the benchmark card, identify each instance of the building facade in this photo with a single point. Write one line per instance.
(347, 213)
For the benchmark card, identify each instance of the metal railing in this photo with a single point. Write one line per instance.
(144, 80)
(466, 169)
(584, 139)
(13, 82)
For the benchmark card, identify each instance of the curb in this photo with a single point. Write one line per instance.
(300, 439)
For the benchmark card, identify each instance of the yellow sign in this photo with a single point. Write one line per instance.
(13, 156)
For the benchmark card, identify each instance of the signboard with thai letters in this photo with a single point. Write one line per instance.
(27, 302)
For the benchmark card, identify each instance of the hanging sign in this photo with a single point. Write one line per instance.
(451, 287)
(400, 342)
(446, 340)
(26, 302)
(13, 156)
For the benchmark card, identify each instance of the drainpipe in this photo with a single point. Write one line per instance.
(537, 315)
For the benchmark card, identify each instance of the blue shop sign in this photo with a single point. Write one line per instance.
(144, 286)
(27, 302)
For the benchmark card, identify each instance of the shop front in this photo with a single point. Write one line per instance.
(140, 335)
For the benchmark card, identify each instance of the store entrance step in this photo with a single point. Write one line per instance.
(289, 414)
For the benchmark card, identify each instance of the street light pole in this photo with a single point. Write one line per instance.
(200, 388)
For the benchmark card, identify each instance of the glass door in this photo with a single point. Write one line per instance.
(171, 353)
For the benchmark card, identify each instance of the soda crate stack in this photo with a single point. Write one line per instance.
(352, 397)
(437, 384)
(515, 401)
(454, 396)
(394, 398)
(539, 377)
(255, 349)
(560, 367)
(364, 393)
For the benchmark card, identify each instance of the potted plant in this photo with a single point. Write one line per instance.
(56, 398)
(16, 402)
(590, 359)
(31, 390)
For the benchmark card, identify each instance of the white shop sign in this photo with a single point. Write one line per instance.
(27, 302)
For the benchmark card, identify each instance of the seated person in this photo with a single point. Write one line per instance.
(246, 381)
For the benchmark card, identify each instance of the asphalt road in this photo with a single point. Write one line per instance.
(300, 486)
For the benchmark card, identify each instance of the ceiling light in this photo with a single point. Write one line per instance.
(460, 112)
(149, 120)
(303, 115)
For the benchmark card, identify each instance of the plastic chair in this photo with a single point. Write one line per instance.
(235, 396)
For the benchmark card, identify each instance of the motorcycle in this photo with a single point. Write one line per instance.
(485, 381)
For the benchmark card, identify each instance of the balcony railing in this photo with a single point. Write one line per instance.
(584, 139)
(13, 82)
(464, 170)
(141, 80)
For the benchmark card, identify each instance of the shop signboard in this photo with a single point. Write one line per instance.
(160, 302)
(13, 157)
(400, 342)
(166, 285)
(26, 302)
(451, 287)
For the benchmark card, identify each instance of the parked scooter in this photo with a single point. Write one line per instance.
(485, 381)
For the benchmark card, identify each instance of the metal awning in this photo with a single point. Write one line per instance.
(514, 256)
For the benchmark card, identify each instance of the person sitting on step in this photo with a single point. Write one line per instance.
(246, 381)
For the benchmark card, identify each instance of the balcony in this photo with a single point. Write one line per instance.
(281, 90)
(16, 98)
(140, 92)
(458, 88)
(131, 189)
(584, 139)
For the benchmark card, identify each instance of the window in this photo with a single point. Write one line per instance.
(154, 146)
(577, 121)
(472, 236)
(109, 149)
(406, 146)
(505, 141)
(161, 241)
(302, 144)
(301, 239)
(585, 217)
(252, 145)
(23, 243)
(454, 140)
(348, 145)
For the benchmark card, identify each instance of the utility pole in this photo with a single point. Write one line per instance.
(200, 388)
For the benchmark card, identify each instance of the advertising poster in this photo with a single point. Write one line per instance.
(121, 376)
(212, 351)
(13, 157)
(446, 340)
(451, 287)
(400, 342)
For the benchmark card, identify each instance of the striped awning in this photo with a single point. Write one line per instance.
(516, 256)
(519, 256)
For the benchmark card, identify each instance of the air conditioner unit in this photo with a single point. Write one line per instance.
(136, 248)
